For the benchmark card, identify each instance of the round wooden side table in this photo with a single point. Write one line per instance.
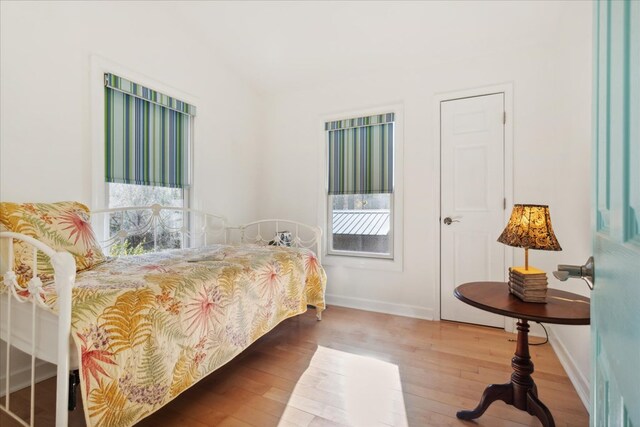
(562, 307)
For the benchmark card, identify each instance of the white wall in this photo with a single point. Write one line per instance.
(572, 176)
(551, 119)
(46, 51)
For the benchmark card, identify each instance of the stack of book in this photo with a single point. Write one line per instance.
(528, 285)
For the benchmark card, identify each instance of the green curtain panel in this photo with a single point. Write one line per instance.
(360, 154)
(146, 142)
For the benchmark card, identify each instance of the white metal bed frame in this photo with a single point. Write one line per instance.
(198, 228)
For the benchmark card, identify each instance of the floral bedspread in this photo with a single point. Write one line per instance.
(148, 327)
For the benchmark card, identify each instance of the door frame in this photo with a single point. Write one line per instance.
(507, 90)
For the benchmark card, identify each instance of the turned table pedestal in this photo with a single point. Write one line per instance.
(561, 307)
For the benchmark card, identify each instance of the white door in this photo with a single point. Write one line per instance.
(472, 197)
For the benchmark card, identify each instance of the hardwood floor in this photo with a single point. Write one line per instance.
(356, 368)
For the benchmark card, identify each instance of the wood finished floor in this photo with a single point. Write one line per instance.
(356, 368)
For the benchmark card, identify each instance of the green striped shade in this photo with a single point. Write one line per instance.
(146, 143)
(360, 154)
(130, 88)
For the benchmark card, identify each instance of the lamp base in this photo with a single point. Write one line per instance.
(531, 271)
(530, 285)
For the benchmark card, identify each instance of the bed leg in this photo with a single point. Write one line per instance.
(319, 313)
(74, 382)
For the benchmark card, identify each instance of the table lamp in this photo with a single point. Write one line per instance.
(530, 228)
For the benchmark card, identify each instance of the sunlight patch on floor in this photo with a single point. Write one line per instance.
(348, 389)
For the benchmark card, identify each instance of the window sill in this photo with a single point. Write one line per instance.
(367, 263)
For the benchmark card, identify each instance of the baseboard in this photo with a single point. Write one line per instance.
(380, 307)
(21, 378)
(578, 379)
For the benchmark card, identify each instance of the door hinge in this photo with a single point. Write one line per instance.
(504, 117)
(504, 203)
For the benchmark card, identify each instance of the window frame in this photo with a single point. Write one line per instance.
(364, 260)
(99, 187)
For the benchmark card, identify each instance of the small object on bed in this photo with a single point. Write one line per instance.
(282, 238)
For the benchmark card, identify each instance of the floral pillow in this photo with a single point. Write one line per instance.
(64, 226)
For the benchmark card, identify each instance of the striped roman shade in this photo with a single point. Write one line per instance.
(360, 153)
(146, 135)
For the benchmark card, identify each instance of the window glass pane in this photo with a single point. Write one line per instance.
(122, 195)
(361, 223)
(137, 223)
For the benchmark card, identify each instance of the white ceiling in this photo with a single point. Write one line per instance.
(280, 46)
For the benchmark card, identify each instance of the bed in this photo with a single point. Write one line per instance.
(146, 327)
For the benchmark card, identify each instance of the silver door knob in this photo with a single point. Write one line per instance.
(448, 220)
(584, 272)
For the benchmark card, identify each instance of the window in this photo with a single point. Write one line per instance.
(147, 153)
(127, 195)
(360, 173)
(123, 195)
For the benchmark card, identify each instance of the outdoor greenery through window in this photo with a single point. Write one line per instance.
(128, 195)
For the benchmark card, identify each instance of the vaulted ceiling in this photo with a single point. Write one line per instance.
(279, 46)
